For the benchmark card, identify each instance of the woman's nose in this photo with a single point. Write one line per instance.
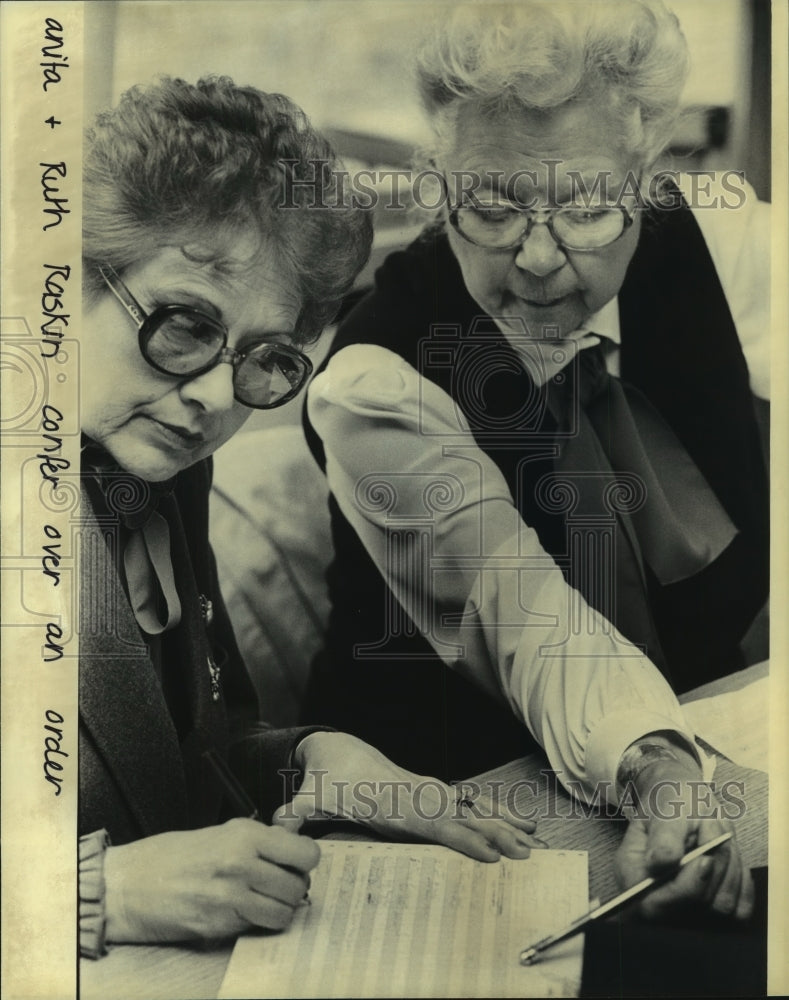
(213, 390)
(539, 253)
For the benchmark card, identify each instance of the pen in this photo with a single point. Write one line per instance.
(532, 954)
(242, 803)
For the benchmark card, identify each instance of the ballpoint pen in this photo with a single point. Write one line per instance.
(532, 954)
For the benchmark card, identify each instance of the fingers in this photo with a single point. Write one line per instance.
(482, 829)
(282, 847)
(273, 877)
(278, 883)
(731, 885)
(466, 840)
(206, 884)
(504, 839)
(630, 858)
(398, 803)
(667, 841)
(747, 898)
(484, 807)
(690, 886)
(259, 910)
(718, 881)
(508, 835)
(707, 882)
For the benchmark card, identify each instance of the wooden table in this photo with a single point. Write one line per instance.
(143, 972)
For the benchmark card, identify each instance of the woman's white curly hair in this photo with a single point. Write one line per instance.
(631, 54)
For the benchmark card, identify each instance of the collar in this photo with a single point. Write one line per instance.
(538, 357)
(605, 322)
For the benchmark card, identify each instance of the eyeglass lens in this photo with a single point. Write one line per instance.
(269, 375)
(501, 226)
(183, 343)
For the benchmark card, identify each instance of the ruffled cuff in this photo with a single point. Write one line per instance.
(92, 919)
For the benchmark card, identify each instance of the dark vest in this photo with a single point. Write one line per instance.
(143, 731)
(681, 349)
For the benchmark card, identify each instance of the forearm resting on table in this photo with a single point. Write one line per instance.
(494, 605)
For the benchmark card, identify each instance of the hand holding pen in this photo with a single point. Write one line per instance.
(534, 952)
(241, 802)
(208, 884)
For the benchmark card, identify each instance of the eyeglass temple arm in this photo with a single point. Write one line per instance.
(122, 294)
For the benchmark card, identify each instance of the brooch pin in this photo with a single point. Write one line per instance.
(206, 609)
(214, 671)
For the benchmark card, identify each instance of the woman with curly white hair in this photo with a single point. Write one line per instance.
(549, 499)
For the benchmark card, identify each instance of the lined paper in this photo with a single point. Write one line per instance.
(404, 920)
(735, 723)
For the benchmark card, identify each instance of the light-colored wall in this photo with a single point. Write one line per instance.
(346, 61)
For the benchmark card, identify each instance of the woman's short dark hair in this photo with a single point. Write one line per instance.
(174, 163)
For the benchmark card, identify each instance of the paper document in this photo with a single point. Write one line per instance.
(735, 723)
(404, 920)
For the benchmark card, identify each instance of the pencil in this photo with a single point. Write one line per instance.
(532, 954)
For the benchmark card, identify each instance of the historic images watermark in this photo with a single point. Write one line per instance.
(429, 189)
(526, 799)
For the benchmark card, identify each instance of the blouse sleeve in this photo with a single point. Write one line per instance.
(92, 847)
(436, 516)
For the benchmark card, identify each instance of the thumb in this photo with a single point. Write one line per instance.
(312, 801)
(288, 818)
(666, 844)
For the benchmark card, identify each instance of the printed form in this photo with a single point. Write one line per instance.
(413, 920)
(735, 723)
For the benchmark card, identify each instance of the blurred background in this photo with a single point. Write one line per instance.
(348, 64)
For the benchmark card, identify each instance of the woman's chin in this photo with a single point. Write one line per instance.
(149, 463)
(553, 321)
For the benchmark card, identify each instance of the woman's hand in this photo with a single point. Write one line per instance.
(678, 812)
(209, 883)
(343, 776)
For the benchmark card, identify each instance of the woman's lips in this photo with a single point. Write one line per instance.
(543, 303)
(176, 434)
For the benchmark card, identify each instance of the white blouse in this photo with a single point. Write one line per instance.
(437, 517)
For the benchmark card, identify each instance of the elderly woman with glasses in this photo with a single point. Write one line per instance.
(548, 494)
(200, 294)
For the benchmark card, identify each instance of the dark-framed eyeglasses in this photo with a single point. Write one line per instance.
(184, 342)
(504, 226)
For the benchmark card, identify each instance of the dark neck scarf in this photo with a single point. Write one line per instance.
(634, 482)
(145, 560)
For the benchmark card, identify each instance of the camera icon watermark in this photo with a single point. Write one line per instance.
(499, 380)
